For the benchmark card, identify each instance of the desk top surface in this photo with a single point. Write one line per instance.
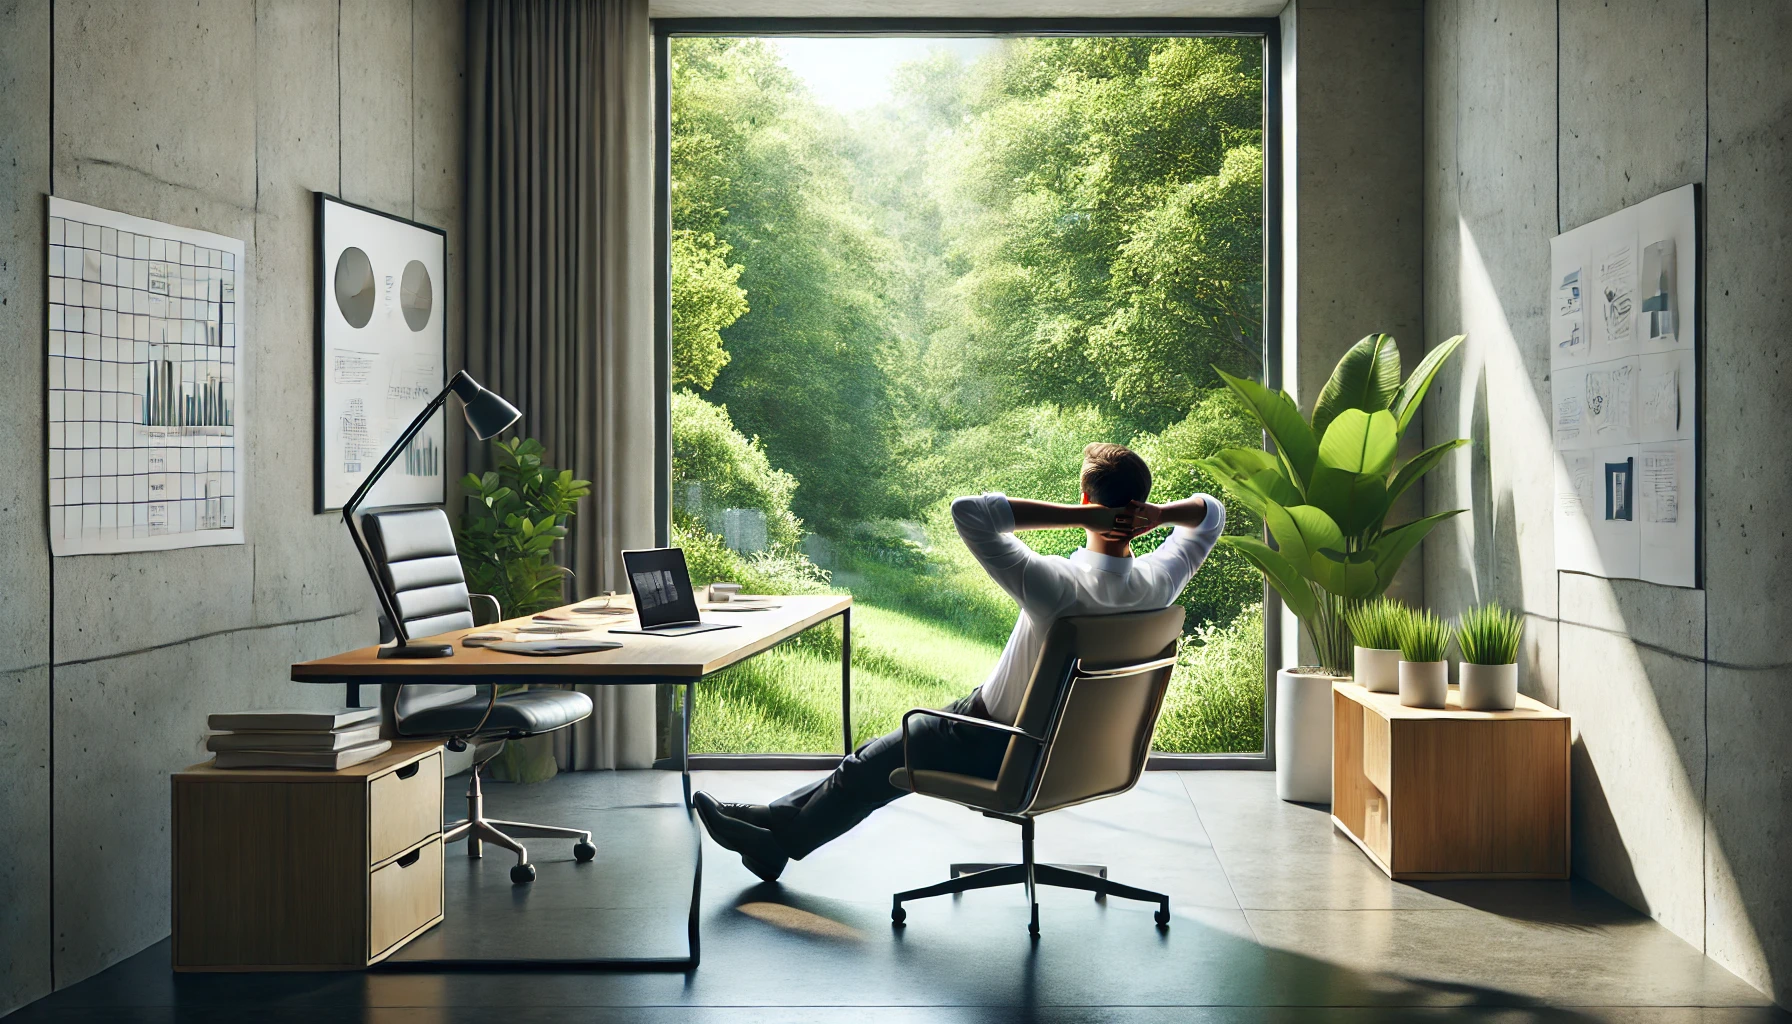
(1388, 706)
(639, 659)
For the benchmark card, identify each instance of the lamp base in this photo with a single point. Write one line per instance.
(418, 651)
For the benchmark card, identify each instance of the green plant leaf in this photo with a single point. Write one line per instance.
(1357, 502)
(1406, 404)
(1281, 574)
(1281, 418)
(1366, 379)
(1392, 547)
(1419, 465)
(1253, 475)
(1360, 442)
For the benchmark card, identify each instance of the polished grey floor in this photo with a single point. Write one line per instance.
(1276, 918)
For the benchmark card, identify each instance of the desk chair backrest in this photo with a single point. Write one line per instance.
(1097, 725)
(420, 568)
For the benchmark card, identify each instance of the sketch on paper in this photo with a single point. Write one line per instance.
(1618, 489)
(1570, 339)
(1658, 307)
(1659, 485)
(1573, 503)
(145, 380)
(1617, 285)
(1661, 403)
(381, 345)
(1610, 398)
(1570, 420)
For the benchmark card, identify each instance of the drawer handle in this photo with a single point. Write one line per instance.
(409, 770)
(410, 858)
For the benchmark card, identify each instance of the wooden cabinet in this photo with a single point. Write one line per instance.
(1448, 793)
(284, 869)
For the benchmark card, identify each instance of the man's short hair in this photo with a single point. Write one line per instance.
(1114, 475)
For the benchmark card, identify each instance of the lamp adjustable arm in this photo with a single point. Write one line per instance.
(487, 414)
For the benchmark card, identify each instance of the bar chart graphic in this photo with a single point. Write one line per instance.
(145, 381)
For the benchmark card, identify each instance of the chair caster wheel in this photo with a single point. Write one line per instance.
(522, 874)
(583, 852)
(1033, 930)
(898, 915)
(1162, 917)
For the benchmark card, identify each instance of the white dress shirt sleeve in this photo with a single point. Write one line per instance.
(1188, 546)
(1038, 584)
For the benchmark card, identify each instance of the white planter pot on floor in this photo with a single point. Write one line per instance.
(1489, 687)
(1304, 736)
(1378, 670)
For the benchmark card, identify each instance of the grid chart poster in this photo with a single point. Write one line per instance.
(1624, 390)
(146, 374)
(381, 352)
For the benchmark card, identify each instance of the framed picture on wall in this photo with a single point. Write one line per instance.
(381, 353)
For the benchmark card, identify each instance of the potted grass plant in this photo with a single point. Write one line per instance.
(1424, 672)
(1325, 493)
(1376, 628)
(1488, 637)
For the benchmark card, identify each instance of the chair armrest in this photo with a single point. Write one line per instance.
(950, 716)
(485, 609)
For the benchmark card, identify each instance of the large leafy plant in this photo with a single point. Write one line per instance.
(1326, 490)
(514, 514)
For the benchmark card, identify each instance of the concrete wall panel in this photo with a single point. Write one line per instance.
(439, 107)
(1748, 231)
(223, 115)
(377, 130)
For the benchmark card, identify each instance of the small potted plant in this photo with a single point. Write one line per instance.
(1376, 627)
(1488, 636)
(1424, 674)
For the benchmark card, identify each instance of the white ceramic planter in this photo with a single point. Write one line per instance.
(1378, 670)
(1424, 684)
(1304, 736)
(1489, 687)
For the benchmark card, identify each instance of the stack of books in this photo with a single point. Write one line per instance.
(330, 740)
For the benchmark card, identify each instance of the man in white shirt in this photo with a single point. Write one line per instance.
(1101, 578)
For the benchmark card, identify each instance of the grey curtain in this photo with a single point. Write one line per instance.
(560, 281)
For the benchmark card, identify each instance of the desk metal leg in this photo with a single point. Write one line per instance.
(846, 679)
(684, 752)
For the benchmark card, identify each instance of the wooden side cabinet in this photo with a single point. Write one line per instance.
(1448, 793)
(291, 870)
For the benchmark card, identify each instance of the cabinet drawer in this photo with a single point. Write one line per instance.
(403, 807)
(404, 896)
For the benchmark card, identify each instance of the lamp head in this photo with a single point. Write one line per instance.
(486, 413)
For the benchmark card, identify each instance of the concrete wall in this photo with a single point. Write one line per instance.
(1353, 209)
(222, 115)
(1540, 117)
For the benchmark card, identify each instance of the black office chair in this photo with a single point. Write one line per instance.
(420, 569)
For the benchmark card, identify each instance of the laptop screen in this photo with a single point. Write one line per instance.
(662, 586)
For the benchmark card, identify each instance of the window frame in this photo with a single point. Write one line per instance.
(1266, 29)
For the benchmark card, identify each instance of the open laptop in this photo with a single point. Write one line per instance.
(664, 599)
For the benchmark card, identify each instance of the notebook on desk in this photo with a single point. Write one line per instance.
(664, 599)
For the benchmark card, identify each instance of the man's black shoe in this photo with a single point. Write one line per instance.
(758, 815)
(757, 849)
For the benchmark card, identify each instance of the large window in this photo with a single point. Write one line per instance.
(908, 268)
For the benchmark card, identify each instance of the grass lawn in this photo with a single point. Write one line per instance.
(787, 700)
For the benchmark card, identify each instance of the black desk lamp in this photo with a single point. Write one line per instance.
(487, 414)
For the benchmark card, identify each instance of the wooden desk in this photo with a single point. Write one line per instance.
(1447, 793)
(680, 660)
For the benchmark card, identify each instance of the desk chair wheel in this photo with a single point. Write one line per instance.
(1162, 917)
(583, 852)
(522, 874)
(898, 915)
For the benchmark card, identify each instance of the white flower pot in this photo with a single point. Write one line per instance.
(1424, 684)
(1378, 670)
(1304, 736)
(1489, 687)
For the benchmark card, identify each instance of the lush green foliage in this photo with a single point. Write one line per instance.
(1326, 492)
(1215, 701)
(1376, 624)
(1424, 637)
(1489, 635)
(514, 514)
(949, 293)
